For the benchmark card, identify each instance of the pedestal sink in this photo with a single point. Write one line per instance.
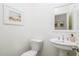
(62, 45)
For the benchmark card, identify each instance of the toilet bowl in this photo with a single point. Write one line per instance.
(30, 53)
(36, 46)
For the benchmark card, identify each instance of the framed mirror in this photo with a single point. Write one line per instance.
(63, 22)
(62, 18)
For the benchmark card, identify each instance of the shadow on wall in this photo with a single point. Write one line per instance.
(48, 49)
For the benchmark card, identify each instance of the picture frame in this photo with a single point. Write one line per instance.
(12, 16)
(69, 35)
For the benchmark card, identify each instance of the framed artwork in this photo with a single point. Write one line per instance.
(71, 37)
(12, 16)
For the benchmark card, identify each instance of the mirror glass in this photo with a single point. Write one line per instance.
(63, 22)
(63, 18)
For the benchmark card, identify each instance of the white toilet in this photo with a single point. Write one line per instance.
(36, 45)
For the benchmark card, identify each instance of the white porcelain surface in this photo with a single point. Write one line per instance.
(61, 44)
(36, 44)
(30, 53)
(35, 47)
(36, 40)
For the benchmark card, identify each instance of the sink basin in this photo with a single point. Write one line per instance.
(62, 45)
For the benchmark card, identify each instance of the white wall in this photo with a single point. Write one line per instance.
(38, 23)
(13, 39)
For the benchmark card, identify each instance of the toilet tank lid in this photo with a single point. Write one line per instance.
(37, 40)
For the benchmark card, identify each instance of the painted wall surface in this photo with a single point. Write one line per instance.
(38, 23)
(13, 39)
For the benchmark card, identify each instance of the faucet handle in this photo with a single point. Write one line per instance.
(62, 37)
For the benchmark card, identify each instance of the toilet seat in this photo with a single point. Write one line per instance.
(30, 53)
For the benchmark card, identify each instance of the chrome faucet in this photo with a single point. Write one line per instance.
(62, 38)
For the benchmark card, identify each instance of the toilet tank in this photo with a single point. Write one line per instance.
(36, 44)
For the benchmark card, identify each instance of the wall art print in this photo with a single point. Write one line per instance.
(12, 16)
